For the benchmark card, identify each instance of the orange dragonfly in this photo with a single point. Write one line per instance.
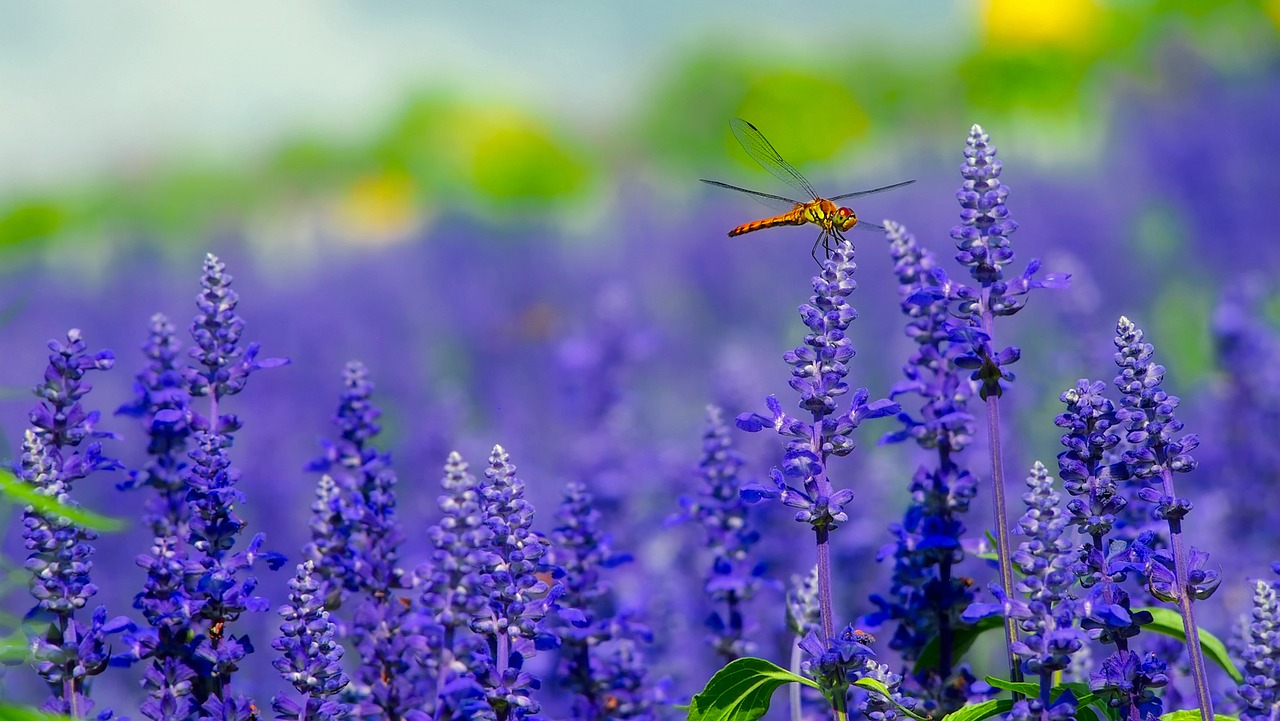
(822, 212)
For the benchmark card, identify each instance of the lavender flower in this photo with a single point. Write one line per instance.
(982, 239)
(355, 548)
(517, 598)
(818, 372)
(1260, 691)
(926, 598)
(452, 587)
(723, 514)
(1049, 638)
(1147, 412)
(1129, 679)
(160, 401)
(218, 596)
(309, 653)
(600, 657)
(64, 651)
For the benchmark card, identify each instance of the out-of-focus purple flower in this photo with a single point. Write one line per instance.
(1049, 634)
(1129, 679)
(818, 372)
(64, 651)
(160, 401)
(600, 657)
(731, 581)
(926, 597)
(310, 654)
(354, 547)
(1260, 691)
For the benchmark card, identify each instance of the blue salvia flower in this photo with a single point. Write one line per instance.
(926, 597)
(355, 548)
(724, 516)
(1130, 680)
(600, 658)
(218, 595)
(518, 600)
(1260, 691)
(1158, 452)
(1049, 636)
(836, 662)
(453, 590)
(216, 331)
(160, 401)
(310, 654)
(819, 368)
(64, 650)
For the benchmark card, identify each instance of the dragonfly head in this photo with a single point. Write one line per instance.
(844, 219)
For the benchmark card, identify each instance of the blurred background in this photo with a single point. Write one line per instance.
(495, 206)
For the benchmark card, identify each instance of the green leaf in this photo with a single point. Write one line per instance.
(26, 713)
(962, 638)
(1026, 688)
(979, 711)
(741, 691)
(874, 686)
(1169, 622)
(1193, 714)
(25, 494)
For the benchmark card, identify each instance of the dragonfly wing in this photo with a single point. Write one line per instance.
(859, 193)
(777, 202)
(762, 152)
(864, 225)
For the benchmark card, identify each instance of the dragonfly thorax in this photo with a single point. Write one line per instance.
(829, 216)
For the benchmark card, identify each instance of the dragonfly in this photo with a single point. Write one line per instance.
(832, 219)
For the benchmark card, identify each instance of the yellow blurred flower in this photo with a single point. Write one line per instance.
(378, 207)
(1023, 24)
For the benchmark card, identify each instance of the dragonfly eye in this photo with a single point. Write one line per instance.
(843, 213)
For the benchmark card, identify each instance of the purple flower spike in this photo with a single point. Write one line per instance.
(160, 401)
(721, 508)
(65, 651)
(1261, 688)
(309, 653)
(217, 330)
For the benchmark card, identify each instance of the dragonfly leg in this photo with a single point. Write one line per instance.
(813, 252)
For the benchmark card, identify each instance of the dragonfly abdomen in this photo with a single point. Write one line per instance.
(795, 217)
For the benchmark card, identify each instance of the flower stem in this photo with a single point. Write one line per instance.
(997, 498)
(1192, 631)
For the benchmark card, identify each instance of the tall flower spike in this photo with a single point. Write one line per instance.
(309, 653)
(1049, 635)
(926, 597)
(451, 582)
(356, 546)
(1147, 412)
(982, 241)
(729, 536)
(518, 599)
(65, 651)
(1261, 688)
(160, 401)
(819, 368)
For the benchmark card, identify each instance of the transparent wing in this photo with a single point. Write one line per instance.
(763, 153)
(858, 193)
(777, 202)
(864, 225)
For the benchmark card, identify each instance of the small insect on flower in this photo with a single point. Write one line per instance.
(822, 212)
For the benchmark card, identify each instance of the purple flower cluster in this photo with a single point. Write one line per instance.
(1261, 688)
(65, 651)
(926, 595)
(309, 653)
(732, 579)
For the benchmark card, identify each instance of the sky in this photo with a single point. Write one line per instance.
(105, 88)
